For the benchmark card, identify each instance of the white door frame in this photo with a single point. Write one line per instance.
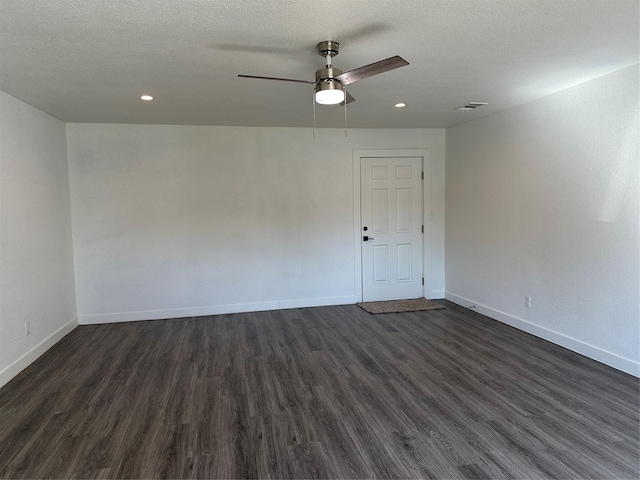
(425, 153)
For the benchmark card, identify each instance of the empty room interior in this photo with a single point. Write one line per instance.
(204, 202)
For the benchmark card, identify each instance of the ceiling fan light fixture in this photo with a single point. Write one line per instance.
(329, 92)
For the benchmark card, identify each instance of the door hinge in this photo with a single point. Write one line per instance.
(422, 280)
(422, 228)
(422, 175)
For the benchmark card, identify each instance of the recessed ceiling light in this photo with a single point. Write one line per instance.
(400, 105)
(146, 97)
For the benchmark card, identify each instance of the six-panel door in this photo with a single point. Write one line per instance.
(391, 209)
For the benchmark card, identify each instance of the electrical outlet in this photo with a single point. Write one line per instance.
(27, 327)
(527, 301)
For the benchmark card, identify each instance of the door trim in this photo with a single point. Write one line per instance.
(425, 153)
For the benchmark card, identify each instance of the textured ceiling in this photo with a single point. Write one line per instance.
(90, 60)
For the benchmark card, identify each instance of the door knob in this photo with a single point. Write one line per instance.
(367, 238)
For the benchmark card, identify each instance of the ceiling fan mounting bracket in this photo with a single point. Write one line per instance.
(328, 47)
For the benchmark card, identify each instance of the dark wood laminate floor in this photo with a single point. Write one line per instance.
(330, 392)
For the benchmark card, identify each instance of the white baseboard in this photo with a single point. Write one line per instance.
(32, 355)
(214, 310)
(624, 364)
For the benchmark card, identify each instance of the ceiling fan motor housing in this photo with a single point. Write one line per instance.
(325, 79)
(327, 73)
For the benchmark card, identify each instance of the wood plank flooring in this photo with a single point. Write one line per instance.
(329, 392)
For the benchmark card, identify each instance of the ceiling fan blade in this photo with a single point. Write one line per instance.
(276, 78)
(370, 70)
(348, 98)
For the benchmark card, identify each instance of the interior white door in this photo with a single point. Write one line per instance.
(391, 216)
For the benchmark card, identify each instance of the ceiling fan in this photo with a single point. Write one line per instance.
(330, 82)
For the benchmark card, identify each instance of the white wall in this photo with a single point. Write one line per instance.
(36, 259)
(542, 200)
(173, 221)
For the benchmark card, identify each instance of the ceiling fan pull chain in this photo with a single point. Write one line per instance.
(345, 110)
(313, 100)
